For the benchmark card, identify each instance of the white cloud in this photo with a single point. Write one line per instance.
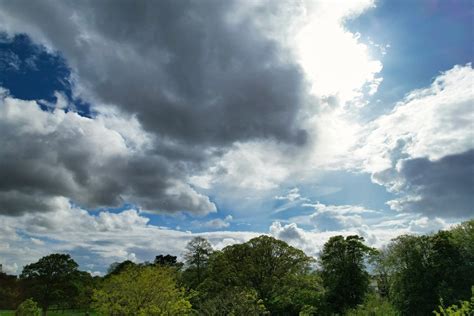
(95, 240)
(334, 59)
(49, 157)
(432, 122)
(422, 150)
(216, 223)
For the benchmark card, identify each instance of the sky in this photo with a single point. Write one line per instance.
(129, 127)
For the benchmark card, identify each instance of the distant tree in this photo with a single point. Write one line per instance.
(28, 308)
(141, 290)
(50, 280)
(197, 257)
(168, 260)
(343, 272)
(117, 267)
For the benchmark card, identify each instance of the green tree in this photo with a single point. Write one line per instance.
(425, 269)
(464, 308)
(197, 257)
(271, 267)
(374, 305)
(50, 280)
(343, 272)
(234, 301)
(141, 290)
(117, 267)
(28, 308)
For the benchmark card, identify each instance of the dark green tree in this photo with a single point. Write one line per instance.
(426, 269)
(50, 280)
(167, 261)
(10, 292)
(343, 272)
(117, 267)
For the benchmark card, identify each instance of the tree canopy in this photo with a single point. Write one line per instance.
(141, 290)
(343, 271)
(411, 275)
(51, 279)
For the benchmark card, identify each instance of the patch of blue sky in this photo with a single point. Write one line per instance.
(425, 37)
(30, 72)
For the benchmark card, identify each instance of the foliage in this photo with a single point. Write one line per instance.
(51, 280)
(374, 306)
(197, 256)
(464, 308)
(147, 290)
(28, 308)
(234, 301)
(424, 269)
(168, 260)
(10, 291)
(269, 266)
(343, 272)
(118, 267)
(298, 293)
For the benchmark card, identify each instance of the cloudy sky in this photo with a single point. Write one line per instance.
(129, 127)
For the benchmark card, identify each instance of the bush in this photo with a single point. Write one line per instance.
(28, 308)
(374, 306)
(465, 308)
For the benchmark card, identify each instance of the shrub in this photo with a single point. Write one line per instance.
(28, 308)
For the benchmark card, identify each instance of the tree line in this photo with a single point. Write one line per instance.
(412, 275)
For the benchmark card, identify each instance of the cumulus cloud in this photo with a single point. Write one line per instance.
(334, 217)
(230, 82)
(48, 158)
(422, 150)
(216, 223)
(202, 72)
(444, 187)
(95, 240)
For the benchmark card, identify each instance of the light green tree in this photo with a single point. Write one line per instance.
(148, 290)
(28, 308)
(374, 305)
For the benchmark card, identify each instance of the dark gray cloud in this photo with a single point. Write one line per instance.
(197, 75)
(194, 71)
(47, 158)
(443, 187)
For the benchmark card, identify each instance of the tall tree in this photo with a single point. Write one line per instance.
(50, 280)
(343, 271)
(197, 257)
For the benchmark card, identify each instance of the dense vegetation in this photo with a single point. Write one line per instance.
(413, 275)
